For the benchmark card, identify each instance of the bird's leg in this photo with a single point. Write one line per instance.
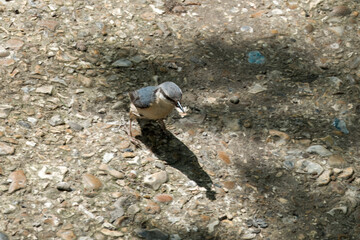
(162, 124)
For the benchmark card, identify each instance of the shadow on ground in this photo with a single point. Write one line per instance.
(171, 150)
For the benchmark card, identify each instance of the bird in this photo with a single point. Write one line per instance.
(154, 102)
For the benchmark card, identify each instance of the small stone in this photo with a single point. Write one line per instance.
(75, 126)
(5, 110)
(156, 180)
(247, 123)
(309, 28)
(256, 88)
(309, 167)
(133, 209)
(115, 173)
(346, 173)
(336, 161)
(50, 172)
(211, 226)
(128, 155)
(153, 234)
(229, 184)
(64, 57)
(338, 30)
(148, 16)
(18, 180)
(81, 46)
(64, 186)
(224, 157)
(340, 11)
(152, 207)
(47, 89)
(337, 188)
(85, 81)
(324, 178)
(111, 233)
(122, 63)
(6, 149)
(66, 234)
(56, 120)
(116, 214)
(14, 43)
(322, 151)
(3, 236)
(49, 24)
(248, 236)
(7, 62)
(234, 99)
(91, 182)
(108, 157)
(163, 198)
(4, 53)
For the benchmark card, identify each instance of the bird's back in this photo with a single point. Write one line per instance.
(143, 97)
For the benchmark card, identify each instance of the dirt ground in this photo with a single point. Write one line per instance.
(268, 147)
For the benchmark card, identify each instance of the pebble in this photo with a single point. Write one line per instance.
(340, 11)
(163, 198)
(152, 207)
(3, 236)
(322, 151)
(4, 53)
(49, 24)
(6, 149)
(56, 120)
(346, 173)
(338, 30)
(148, 16)
(108, 157)
(248, 236)
(111, 233)
(64, 186)
(309, 167)
(156, 180)
(133, 209)
(54, 173)
(91, 182)
(309, 28)
(234, 99)
(18, 180)
(211, 226)
(5, 110)
(14, 43)
(336, 161)
(128, 155)
(85, 81)
(324, 178)
(153, 234)
(75, 126)
(47, 89)
(257, 88)
(224, 157)
(122, 63)
(66, 234)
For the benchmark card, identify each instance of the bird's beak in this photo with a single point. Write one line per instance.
(179, 106)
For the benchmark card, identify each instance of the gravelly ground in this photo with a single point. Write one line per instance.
(255, 157)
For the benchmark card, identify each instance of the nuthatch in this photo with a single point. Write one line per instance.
(154, 102)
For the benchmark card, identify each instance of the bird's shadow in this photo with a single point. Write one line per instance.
(170, 149)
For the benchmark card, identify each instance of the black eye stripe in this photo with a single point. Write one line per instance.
(167, 97)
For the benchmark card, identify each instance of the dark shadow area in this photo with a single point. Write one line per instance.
(292, 79)
(171, 150)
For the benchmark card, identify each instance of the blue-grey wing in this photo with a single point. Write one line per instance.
(143, 97)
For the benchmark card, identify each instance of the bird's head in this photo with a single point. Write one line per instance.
(171, 92)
